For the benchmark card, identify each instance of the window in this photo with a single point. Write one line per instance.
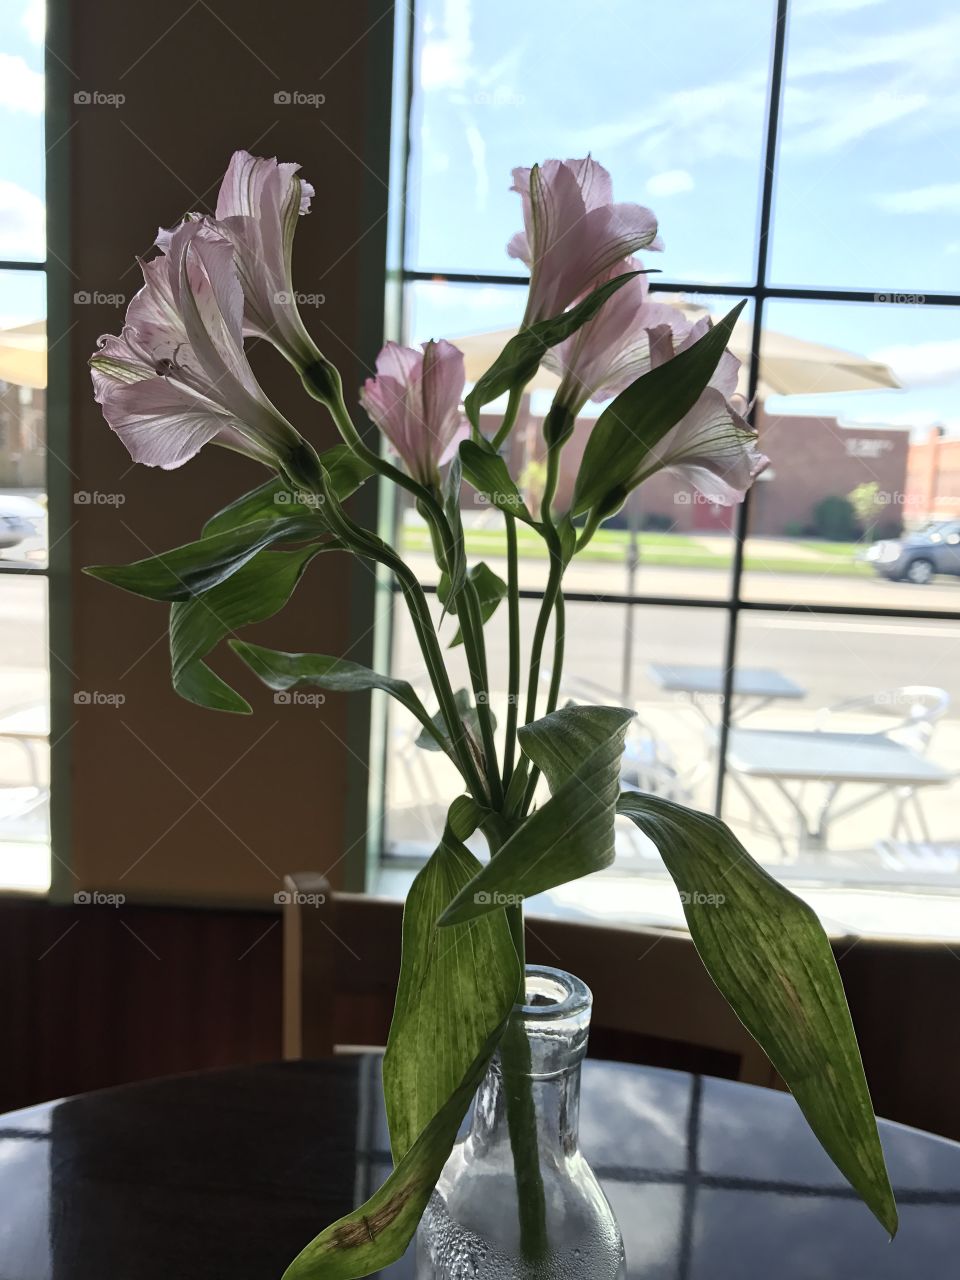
(24, 674)
(793, 661)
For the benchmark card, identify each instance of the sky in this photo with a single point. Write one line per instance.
(671, 98)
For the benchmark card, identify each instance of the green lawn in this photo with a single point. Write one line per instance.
(609, 546)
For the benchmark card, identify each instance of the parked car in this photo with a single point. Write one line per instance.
(21, 521)
(918, 557)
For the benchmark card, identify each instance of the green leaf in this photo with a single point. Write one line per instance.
(767, 952)
(255, 592)
(456, 987)
(579, 750)
(636, 421)
(437, 740)
(488, 474)
(282, 671)
(276, 500)
(455, 994)
(491, 589)
(190, 570)
(520, 358)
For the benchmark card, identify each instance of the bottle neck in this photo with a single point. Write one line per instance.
(536, 1071)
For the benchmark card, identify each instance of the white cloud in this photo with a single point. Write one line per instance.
(34, 20)
(445, 58)
(22, 232)
(21, 88)
(821, 123)
(923, 364)
(809, 8)
(672, 182)
(941, 197)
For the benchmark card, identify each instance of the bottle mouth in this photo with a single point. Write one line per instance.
(551, 995)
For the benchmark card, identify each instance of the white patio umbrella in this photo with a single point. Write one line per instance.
(23, 355)
(791, 366)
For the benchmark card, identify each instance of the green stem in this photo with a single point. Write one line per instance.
(509, 418)
(513, 673)
(471, 625)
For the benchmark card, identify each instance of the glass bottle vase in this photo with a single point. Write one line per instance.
(516, 1200)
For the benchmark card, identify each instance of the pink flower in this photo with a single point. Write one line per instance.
(573, 232)
(713, 447)
(257, 210)
(177, 377)
(612, 350)
(415, 401)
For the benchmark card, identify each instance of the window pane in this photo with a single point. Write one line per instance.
(846, 788)
(23, 449)
(24, 728)
(674, 108)
(856, 475)
(22, 229)
(667, 541)
(659, 660)
(867, 151)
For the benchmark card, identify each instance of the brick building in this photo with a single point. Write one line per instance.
(933, 478)
(811, 458)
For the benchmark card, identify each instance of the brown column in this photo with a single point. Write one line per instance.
(168, 800)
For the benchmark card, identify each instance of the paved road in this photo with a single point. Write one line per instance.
(833, 657)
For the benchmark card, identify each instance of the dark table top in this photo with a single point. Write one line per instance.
(226, 1174)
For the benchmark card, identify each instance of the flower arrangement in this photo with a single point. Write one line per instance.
(178, 378)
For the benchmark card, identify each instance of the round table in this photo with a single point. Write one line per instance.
(224, 1175)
